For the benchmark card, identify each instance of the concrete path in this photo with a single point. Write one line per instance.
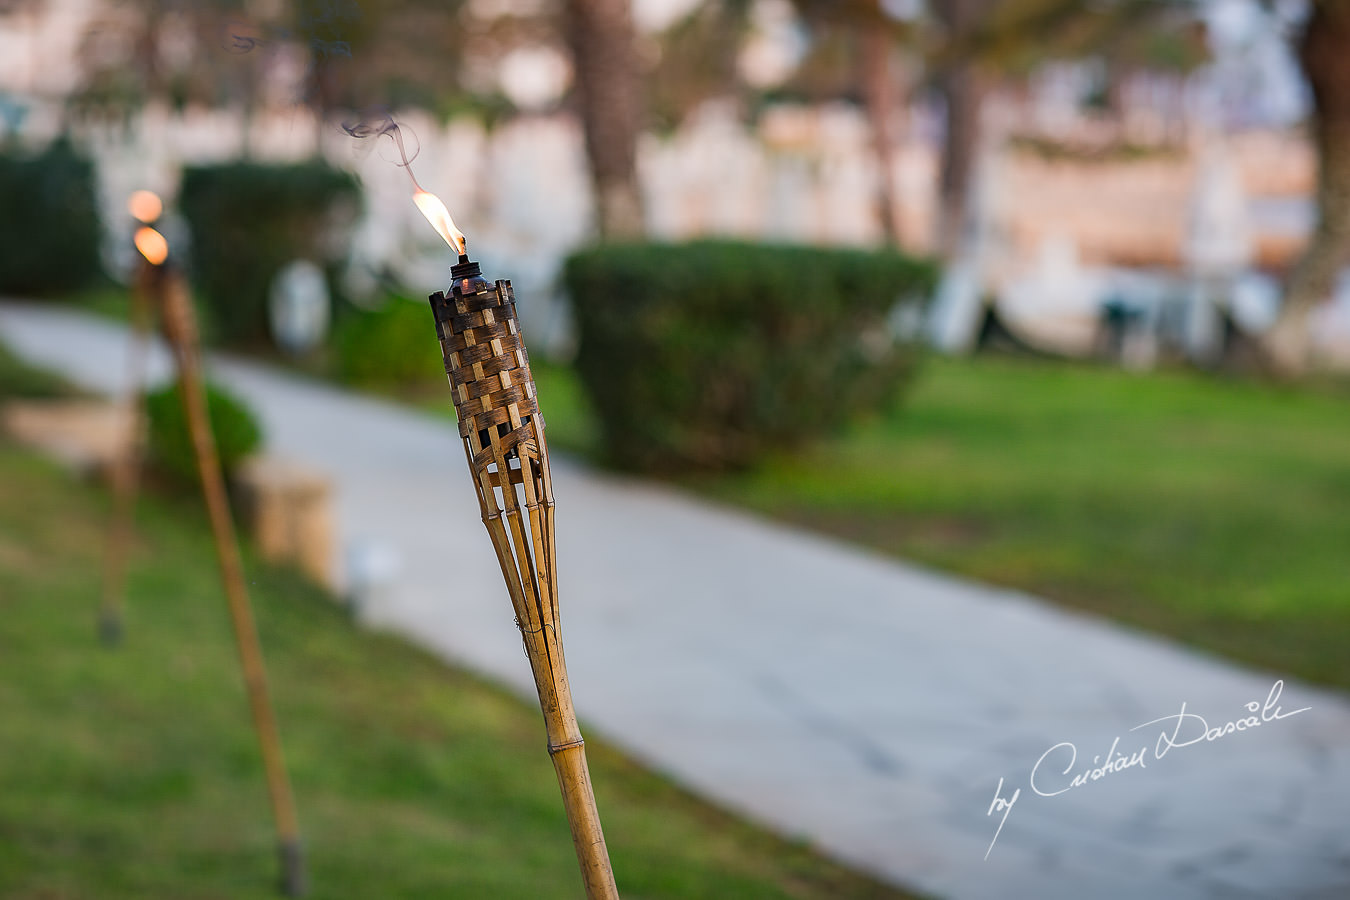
(868, 706)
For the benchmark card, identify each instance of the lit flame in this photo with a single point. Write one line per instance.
(439, 217)
(145, 206)
(152, 245)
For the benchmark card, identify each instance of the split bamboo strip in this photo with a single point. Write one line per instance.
(181, 331)
(503, 435)
(126, 468)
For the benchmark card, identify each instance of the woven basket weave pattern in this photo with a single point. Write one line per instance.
(504, 442)
(489, 372)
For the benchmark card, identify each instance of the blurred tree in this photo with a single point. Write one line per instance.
(985, 42)
(1322, 47)
(963, 82)
(696, 59)
(604, 58)
(153, 50)
(850, 57)
(332, 55)
(861, 35)
(1323, 50)
(436, 55)
(1324, 54)
(879, 100)
(966, 47)
(27, 13)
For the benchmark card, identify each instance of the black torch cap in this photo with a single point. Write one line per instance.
(466, 277)
(465, 268)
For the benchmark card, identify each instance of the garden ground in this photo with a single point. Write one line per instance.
(866, 703)
(134, 773)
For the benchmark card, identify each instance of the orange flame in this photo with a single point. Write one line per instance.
(145, 206)
(152, 245)
(439, 217)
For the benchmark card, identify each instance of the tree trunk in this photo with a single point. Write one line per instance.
(962, 91)
(875, 77)
(600, 34)
(1326, 64)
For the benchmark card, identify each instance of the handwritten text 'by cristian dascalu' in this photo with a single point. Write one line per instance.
(1051, 776)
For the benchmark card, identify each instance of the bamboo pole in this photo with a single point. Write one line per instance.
(503, 434)
(181, 331)
(126, 468)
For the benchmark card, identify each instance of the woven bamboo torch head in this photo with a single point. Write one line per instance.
(503, 436)
(491, 384)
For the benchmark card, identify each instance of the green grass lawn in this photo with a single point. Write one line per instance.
(133, 773)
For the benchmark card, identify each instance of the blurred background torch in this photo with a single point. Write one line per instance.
(146, 208)
(160, 280)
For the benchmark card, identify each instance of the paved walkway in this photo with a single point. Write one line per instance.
(866, 705)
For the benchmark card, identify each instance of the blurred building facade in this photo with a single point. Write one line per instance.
(1111, 188)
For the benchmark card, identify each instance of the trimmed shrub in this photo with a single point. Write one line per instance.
(49, 221)
(248, 220)
(393, 346)
(707, 355)
(235, 427)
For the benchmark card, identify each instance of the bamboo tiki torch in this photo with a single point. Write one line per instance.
(503, 435)
(180, 329)
(146, 208)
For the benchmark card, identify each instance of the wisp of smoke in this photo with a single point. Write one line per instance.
(320, 27)
(367, 131)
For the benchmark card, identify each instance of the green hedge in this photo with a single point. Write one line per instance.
(236, 429)
(248, 220)
(706, 355)
(394, 346)
(49, 221)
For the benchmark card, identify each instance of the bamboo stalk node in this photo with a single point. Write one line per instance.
(558, 748)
